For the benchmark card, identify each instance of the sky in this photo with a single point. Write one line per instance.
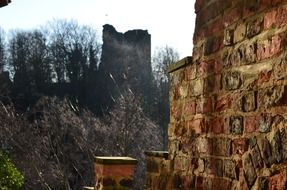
(170, 22)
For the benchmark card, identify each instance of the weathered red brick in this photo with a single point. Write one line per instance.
(223, 103)
(270, 47)
(190, 72)
(216, 125)
(254, 6)
(175, 111)
(275, 2)
(199, 4)
(205, 68)
(204, 105)
(190, 107)
(215, 27)
(232, 16)
(251, 124)
(278, 181)
(208, 13)
(196, 126)
(218, 66)
(276, 18)
(212, 44)
(270, 19)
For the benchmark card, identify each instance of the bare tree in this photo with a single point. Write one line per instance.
(162, 58)
(129, 130)
(2, 50)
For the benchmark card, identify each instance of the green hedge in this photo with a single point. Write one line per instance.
(10, 177)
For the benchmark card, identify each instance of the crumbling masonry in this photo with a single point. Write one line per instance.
(228, 127)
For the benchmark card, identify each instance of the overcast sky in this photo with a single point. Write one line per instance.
(169, 22)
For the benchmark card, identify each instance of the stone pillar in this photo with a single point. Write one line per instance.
(158, 170)
(115, 173)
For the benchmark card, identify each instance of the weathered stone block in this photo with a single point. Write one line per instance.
(221, 183)
(266, 151)
(230, 169)
(254, 27)
(204, 105)
(183, 91)
(237, 56)
(188, 182)
(228, 36)
(256, 157)
(239, 33)
(271, 96)
(126, 183)
(232, 80)
(236, 125)
(249, 171)
(204, 145)
(275, 142)
(250, 52)
(275, 2)
(212, 44)
(239, 146)
(196, 87)
(280, 69)
(209, 84)
(226, 59)
(265, 123)
(201, 165)
(253, 6)
(190, 72)
(283, 137)
(249, 102)
(214, 167)
(221, 146)
(262, 183)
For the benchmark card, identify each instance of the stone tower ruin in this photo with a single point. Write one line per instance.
(125, 62)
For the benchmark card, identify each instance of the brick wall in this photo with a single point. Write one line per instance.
(228, 126)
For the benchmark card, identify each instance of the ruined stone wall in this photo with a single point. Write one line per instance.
(228, 126)
(125, 63)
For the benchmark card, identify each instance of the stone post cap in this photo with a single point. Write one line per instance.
(110, 160)
(181, 63)
(88, 188)
(161, 154)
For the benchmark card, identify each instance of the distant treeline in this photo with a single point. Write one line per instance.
(65, 59)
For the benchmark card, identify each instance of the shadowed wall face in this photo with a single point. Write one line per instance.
(228, 126)
(4, 2)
